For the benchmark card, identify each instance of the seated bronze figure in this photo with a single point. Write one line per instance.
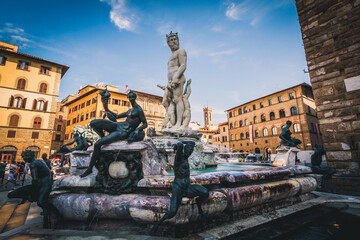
(82, 143)
(286, 138)
(129, 129)
(182, 186)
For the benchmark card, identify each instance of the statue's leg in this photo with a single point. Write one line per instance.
(178, 99)
(174, 206)
(112, 137)
(196, 190)
(43, 200)
(99, 125)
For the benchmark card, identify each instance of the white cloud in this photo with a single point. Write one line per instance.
(236, 11)
(119, 15)
(9, 28)
(20, 38)
(217, 29)
(224, 52)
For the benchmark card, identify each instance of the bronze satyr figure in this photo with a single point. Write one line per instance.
(286, 138)
(129, 129)
(82, 143)
(182, 186)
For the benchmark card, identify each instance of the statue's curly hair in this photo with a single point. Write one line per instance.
(28, 154)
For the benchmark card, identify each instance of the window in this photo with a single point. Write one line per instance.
(241, 123)
(21, 84)
(296, 127)
(263, 118)
(35, 135)
(14, 121)
(18, 102)
(291, 95)
(255, 120)
(254, 107)
(2, 60)
(236, 124)
(210, 136)
(272, 116)
(245, 110)
(82, 118)
(58, 128)
(93, 100)
(270, 102)
(82, 105)
(223, 129)
(37, 122)
(261, 105)
(58, 137)
(88, 103)
(66, 136)
(75, 108)
(293, 111)
(87, 116)
(256, 133)
(230, 114)
(11, 134)
(247, 134)
(240, 111)
(241, 136)
(282, 113)
(265, 132)
(280, 99)
(43, 88)
(232, 137)
(274, 131)
(23, 65)
(40, 105)
(92, 114)
(246, 122)
(60, 118)
(231, 126)
(125, 103)
(67, 122)
(69, 110)
(77, 118)
(45, 70)
(61, 109)
(73, 120)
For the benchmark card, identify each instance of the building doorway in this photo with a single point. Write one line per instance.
(257, 150)
(267, 153)
(35, 149)
(8, 153)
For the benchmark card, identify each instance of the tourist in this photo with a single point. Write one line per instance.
(11, 176)
(2, 171)
(21, 170)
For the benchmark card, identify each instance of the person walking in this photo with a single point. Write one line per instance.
(11, 175)
(2, 172)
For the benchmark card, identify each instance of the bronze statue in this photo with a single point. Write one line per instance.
(182, 186)
(81, 145)
(286, 138)
(316, 160)
(41, 185)
(129, 129)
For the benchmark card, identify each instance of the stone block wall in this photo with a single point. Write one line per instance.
(331, 36)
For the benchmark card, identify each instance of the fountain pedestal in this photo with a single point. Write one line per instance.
(285, 156)
(79, 159)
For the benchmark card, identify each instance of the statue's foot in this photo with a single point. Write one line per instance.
(86, 173)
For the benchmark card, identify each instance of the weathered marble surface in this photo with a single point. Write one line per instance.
(74, 182)
(285, 156)
(201, 157)
(80, 159)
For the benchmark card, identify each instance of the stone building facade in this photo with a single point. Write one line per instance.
(87, 105)
(29, 89)
(331, 37)
(255, 126)
(221, 136)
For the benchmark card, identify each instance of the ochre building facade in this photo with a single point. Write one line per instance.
(255, 126)
(29, 88)
(87, 105)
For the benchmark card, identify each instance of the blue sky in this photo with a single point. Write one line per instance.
(237, 50)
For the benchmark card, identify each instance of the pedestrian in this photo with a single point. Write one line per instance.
(11, 175)
(17, 169)
(2, 171)
(23, 172)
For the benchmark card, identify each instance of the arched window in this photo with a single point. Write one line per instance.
(263, 118)
(231, 126)
(293, 111)
(40, 105)
(236, 124)
(241, 123)
(232, 137)
(21, 84)
(241, 136)
(247, 134)
(272, 116)
(43, 88)
(256, 133)
(246, 122)
(240, 111)
(14, 121)
(37, 122)
(255, 119)
(18, 102)
(274, 131)
(265, 132)
(236, 137)
(282, 113)
(296, 127)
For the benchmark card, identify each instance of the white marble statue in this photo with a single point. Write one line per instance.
(175, 100)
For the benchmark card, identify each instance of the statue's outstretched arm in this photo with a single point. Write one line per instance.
(179, 152)
(124, 114)
(67, 144)
(161, 87)
(187, 90)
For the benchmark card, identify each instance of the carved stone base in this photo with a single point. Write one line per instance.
(79, 159)
(285, 156)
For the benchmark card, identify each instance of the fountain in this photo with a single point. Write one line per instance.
(131, 190)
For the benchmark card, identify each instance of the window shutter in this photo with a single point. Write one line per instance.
(45, 106)
(11, 103)
(34, 104)
(26, 66)
(23, 105)
(19, 64)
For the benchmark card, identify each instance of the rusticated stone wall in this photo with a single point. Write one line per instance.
(331, 36)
